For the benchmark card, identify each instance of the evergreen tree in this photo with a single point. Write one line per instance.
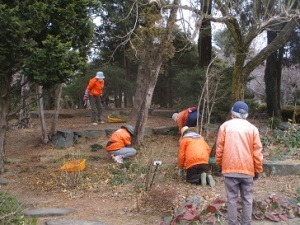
(46, 40)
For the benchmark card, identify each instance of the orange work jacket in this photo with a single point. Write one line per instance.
(181, 119)
(238, 148)
(119, 139)
(95, 86)
(192, 151)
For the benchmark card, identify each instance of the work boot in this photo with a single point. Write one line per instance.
(210, 180)
(203, 179)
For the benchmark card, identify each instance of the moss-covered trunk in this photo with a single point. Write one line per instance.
(239, 77)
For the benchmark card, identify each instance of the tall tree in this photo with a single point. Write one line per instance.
(273, 70)
(273, 78)
(154, 46)
(13, 47)
(246, 20)
(205, 37)
(46, 41)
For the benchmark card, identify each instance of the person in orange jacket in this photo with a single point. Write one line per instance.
(239, 153)
(93, 93)
(119, 144)
(187, 117)
(193, 156)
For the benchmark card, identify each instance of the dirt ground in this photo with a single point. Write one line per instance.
(32, 166)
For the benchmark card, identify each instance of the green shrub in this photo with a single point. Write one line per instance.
(126, 173)
(10, 211)
(96, 147)
(285, 143)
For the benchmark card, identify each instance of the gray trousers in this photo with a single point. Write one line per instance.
(96, 108)
(125, 152)
(233, 186)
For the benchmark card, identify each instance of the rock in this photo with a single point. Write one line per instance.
(109, 131)
(165, 130)
(90, 134)
(4, 181)
(63, 139)
(281, 168)
(284, 126)
(162, 112)
(45, 212)
(74, 222)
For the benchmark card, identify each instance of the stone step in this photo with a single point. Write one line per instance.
(47, 212)
(74, 222)
(282, 167)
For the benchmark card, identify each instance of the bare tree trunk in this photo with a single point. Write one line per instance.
(58, 91)
(39, 92)
(4, 110)
(204, 40)
(143, 112)
(273, 79)
(24, 114)
(140, 86)
(148, 72)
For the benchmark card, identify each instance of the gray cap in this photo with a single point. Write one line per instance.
(129, 128)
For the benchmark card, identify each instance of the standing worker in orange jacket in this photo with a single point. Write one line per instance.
(93, 92)
(193, 156)
(119, 144)
(239, 152)
(187, 117)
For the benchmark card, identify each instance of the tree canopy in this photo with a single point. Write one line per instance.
(48, 41)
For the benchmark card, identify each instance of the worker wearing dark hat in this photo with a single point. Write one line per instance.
(239, 152)
(119, 144)
(187, 117)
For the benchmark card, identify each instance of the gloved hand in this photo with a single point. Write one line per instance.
(86, 95)
(180, 172)
(256, 176)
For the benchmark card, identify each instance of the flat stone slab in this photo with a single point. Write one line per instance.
(45, 212)
(90, 133)
(165, 130)
(281, 168)
(4, 181)
(74, 222)
(295, 221)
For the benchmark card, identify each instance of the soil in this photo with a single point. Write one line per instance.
(92, 193)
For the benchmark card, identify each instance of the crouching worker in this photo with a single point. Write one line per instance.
(193, 156)
(119, 144)
(187, 117)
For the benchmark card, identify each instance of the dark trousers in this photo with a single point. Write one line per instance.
(96, 108)
(193, 174)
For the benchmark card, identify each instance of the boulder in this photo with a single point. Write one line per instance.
(63, 139)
